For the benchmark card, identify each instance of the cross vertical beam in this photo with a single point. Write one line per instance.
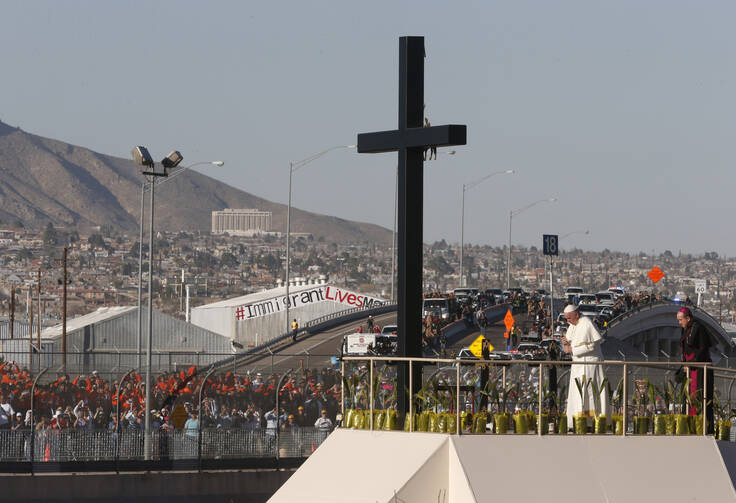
(410, 140)
(411, 217)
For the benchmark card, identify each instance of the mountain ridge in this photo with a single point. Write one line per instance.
(46, 180)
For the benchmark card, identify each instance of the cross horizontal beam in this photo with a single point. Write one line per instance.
(420, 138)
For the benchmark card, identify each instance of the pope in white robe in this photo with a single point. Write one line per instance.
(583, 341)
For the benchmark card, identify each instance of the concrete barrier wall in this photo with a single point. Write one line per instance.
(251, 486)
(458, 329)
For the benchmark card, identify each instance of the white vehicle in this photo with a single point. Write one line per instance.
(573, 290)
(587, 298)
(465, 292)
(605, 298)
(389, 330)
(359, 344)
(440, 308)
(617, 291)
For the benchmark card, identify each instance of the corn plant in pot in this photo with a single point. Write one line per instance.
(501, 419)
(600, 422)
(617, 398)
(580, 421)
(561, 418)
(640, 402)
(722, 415)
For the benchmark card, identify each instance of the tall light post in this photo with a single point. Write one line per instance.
(294, 166)
(512, 213)
(140, 242)
(466, 187)
(144, 159)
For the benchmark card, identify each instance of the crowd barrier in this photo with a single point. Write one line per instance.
(64, 446)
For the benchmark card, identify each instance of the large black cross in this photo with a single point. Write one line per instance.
(410, 140)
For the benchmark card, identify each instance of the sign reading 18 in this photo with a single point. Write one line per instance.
(550, 244)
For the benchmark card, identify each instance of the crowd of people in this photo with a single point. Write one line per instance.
(230, 400)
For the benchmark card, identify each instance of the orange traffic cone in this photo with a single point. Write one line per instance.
(47, 453)
(312, 447)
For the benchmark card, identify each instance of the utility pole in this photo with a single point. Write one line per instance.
(30, 328)
(63, 319)
(12, 310)
(39, 318)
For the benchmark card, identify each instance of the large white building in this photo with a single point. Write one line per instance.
(241, 221)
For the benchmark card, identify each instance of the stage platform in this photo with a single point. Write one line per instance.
(381, 466)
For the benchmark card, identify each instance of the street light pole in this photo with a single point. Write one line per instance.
(511, 216)
(467, 187)
(142, 157)
(393, 234)
(140, 274)
(288, 248)
(293, 166)
(140, 243)
(147, 435)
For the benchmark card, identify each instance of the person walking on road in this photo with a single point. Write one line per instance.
(294, 329)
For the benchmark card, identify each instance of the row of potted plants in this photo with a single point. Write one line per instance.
(656, 410)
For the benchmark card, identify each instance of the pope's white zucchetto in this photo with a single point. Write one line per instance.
(570, 308)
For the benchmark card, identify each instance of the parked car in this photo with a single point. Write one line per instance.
(466, 354)
(587, 298)
(573, 290)
(530, 336)
(532, 351)
(389, 330)
(497, 294)
(605, 298)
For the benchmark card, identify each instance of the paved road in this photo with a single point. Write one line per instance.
(494, 334)
(314, 351)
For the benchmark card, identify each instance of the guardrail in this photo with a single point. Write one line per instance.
(701, 313)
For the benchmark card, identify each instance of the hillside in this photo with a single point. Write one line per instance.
(44, 180)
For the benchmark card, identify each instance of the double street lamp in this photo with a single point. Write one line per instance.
(466, 187)
(512, 214)
(294, 166)
(143, 158)
(144, 188)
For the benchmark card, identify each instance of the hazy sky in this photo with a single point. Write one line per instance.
(623, 110)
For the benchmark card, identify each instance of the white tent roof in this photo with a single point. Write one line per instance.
(356, 466)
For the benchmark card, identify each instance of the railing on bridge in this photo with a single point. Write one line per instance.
(640, 397)
(321, 323)
(653, 305)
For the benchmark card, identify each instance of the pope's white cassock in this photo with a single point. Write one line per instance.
(586, 347)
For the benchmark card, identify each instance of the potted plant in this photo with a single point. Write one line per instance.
(723, 418)
(641, 420)
(561, 418)
(600, 422)
(617, 419)
(580, 421)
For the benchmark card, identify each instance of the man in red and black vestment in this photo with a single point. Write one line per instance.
(695, 346)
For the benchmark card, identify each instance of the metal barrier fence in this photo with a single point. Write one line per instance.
(62, 446)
